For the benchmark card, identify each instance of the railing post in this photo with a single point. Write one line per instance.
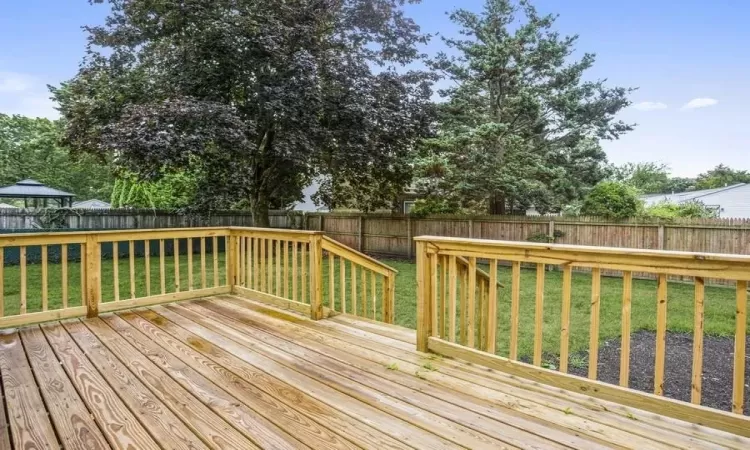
(232, 255)
(389, 297)
(316, 276)
(92, 275)
(424, 297)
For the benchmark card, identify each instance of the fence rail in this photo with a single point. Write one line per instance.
(456, 313)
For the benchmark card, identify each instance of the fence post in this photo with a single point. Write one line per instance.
(92, 275)
(551, 231)
(409, 237)
(471, 229)
(424, 298)
(660, 238)
(316, 276)
(361, 239)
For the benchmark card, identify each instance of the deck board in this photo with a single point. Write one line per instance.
(227, 372)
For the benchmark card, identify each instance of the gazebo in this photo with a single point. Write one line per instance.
(33, 190)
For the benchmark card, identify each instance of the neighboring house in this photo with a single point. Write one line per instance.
(91, 204)
(730, 201)
(307, 204)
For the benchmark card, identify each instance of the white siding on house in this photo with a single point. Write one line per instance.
(733, 203)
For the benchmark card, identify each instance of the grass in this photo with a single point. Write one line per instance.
(719, 305)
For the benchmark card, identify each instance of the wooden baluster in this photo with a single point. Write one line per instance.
(303, 267)
(249, 261)
(278, 291)
(483, 299)
(373, 296)
(63, 274)
(287, 244)
(342, 284)
(162, 275)
(23, 281)
(567, 281)
(215, 253)
(294, 272)
(316, 277)
(492, 309)
(45, 281)
(269, 272)
(131, 261)
(331, 281)
(190, 263)
(364, 292)
(627, 297)
(176, 253)
(697, 378)
(256, 263)
(93, 276)
(452, 294)
(442, 294)
(116, 271)
(242, 268)
(539, 314)
(2, 281)
(471, 292)
(596, 278)
(263, 272)
(391, 297)
(661, 333)
(232, 260)
(147, 268)
(515, 300)
(354, 289)
(83, 274)
(203, 263)
(738, 389)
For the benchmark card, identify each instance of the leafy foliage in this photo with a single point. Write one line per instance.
(721, 176)
(611, 199)
(29, 148)
(254, 98)
(521, 126)
(651, 178)
(669, 210)
(173, 191)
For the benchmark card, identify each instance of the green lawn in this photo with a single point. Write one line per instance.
(719, 318)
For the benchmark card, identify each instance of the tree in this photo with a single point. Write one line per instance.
(29, 148)
(173, 191)
(721, 176)
(647, 177)
(670, 210)
(521, 125)
(255, 99)
(611, 199)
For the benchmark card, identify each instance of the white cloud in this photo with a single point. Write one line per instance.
(700, 103)
(26, 95)
(650, 106)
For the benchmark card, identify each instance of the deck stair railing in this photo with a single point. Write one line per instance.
(459, 293)
(51, 276)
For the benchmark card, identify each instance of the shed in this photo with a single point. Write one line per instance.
(33, 190)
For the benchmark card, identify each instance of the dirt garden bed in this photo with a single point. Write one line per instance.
(718, 354)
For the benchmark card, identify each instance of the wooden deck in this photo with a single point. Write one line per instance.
(233, 374)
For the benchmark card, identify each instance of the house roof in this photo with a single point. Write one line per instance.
(687, 196)
(32, 189)
(92, 204)
(7, 206)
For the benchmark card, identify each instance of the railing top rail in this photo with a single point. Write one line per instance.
(350, 251)
(502, 247)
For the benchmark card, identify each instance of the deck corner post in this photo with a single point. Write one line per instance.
(424, 298)
(316, 276)
(231, 261)
(92, 275)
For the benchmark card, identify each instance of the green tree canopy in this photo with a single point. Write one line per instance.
(253, 98)
(29, 148)
(612, 199)
(521, 124)
(721, 176)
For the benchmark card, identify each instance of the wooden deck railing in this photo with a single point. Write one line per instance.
(457, 310)
(49, 276)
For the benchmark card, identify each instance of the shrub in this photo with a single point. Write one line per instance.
(611, 199)
(432, 205)
(669, 210)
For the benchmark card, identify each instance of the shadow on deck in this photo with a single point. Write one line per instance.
(227, 372)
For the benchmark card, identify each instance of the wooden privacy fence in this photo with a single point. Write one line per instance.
(392, 235)
(282, 266)
(457, 312)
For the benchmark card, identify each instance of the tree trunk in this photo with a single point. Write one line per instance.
(259, 210)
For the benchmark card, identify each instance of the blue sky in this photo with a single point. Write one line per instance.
(689, 59)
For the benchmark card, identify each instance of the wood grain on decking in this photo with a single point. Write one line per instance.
(227, 372)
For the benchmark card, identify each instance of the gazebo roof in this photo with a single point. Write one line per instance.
(32, 189)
